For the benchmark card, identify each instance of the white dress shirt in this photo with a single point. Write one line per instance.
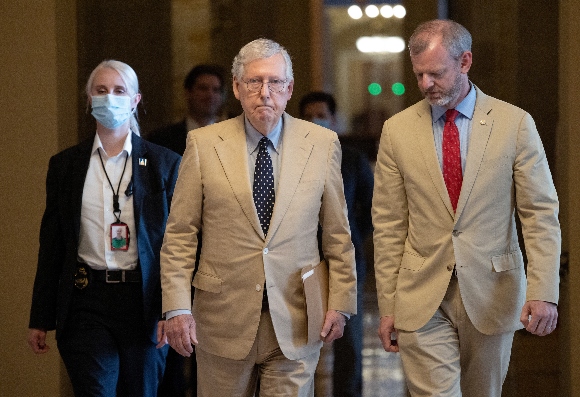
(97, 210)
(191, 124)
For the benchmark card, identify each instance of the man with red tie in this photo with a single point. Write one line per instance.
(452, 172)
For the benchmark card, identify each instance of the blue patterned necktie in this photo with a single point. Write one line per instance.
(264, 185)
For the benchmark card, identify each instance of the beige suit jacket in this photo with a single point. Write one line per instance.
(418, 239)
(213, 194)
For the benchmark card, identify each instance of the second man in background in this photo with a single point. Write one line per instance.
(204, 93)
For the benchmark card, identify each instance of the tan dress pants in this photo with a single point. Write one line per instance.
(448, 357)
(324, 375)
(265, 372)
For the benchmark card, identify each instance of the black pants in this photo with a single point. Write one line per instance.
(105, 347)
(348, 353)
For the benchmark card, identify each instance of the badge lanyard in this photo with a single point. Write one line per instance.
(119, 231)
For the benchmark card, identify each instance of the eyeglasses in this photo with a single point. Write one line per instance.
(255, 85)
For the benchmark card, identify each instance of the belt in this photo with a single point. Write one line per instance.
(265, 304)
(117, 276)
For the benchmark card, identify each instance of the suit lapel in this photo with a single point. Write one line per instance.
(481, 125)
(426, 144)
(140, 177)
(232, 153)
(295, 153)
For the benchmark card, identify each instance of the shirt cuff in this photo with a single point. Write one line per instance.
(174, 313)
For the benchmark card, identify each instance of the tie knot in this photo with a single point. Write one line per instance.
(450, 115)
(264, 143)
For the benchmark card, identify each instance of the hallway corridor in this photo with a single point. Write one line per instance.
(382, 371)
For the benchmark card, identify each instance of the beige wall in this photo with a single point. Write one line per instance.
(191, 45)
(568, 155)
(37, 115)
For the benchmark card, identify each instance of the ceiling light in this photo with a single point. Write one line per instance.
(380, 44)
(399, 11)
(372, 11)
(355, 12)
(387, 11)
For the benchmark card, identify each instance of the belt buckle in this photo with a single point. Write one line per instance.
(114, 281)
(81, 278)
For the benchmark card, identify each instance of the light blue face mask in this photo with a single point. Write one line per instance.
(111, 111)
(322, 122)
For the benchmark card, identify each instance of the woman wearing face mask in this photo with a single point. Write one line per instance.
(103, 298)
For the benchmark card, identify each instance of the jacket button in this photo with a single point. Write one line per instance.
(258, 287)
(450, 267)
(265, 251)
(456, 233)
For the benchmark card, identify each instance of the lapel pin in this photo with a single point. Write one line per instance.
(142, 162)
(482, 122)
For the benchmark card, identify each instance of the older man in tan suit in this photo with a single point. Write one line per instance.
(450, 273)
(249, 321)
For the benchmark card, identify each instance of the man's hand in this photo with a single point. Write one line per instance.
(544, 317)
(333, 326)
(37, 340)
(161, 336)
(386, 328)
(181, 334)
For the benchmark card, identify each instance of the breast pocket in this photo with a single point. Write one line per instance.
(311, 185)
(498, 162)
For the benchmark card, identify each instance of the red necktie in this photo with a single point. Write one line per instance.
(452, 173)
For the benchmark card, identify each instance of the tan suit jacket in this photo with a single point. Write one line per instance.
(418, 239)
(213, 193)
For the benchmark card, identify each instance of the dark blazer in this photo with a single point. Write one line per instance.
(153, 185)
(173, 136)
(358, 180)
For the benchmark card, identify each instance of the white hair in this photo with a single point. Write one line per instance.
(128, 76)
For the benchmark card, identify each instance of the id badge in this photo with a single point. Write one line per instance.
(119, 236)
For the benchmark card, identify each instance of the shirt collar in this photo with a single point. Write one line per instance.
(253, 136)
(191, 124)
(127, 146)
(466, 107)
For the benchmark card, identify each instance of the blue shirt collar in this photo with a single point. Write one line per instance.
(253, 136)
(466, 107)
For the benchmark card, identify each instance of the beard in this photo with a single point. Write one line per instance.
(448, 96)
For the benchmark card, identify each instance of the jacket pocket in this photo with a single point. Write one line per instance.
(412, 261)
(207, 282)
(503, 161)
(308, 185)
(509, 261)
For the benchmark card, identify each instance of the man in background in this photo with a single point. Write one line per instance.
(205, 95)
(344, 373)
